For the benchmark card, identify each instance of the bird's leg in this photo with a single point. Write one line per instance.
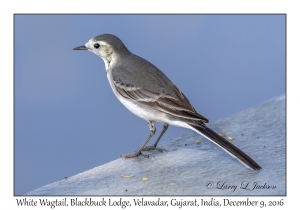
(153, 147)
(138, 152)
(165, 127)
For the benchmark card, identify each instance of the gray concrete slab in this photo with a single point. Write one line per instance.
(189, 168)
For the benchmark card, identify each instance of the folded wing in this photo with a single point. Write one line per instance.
(176, 104)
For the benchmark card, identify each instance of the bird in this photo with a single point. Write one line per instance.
(148, 93)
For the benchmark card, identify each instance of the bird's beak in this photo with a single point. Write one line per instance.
(83, 47)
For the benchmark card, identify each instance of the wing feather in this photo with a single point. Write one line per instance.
(163, 102)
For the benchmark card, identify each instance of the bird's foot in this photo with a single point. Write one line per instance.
(153, 148)
(132, 155)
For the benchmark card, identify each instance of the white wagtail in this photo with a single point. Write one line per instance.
(148, 93)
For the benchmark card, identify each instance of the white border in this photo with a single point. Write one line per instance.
(8, 8)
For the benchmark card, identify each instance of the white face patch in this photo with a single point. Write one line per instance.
(104, 51)
(90, 45)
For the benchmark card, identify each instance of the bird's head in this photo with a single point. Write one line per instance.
(107, 46)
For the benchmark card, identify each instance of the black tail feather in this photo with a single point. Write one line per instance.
(227, 146)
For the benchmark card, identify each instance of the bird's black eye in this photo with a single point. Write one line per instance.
(96, 45)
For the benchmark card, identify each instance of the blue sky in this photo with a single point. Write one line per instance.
(66, 117)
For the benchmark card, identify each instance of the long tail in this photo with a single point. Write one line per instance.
(226, 145)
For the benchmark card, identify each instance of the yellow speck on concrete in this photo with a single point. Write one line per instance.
(222, 134)
(130, 176)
